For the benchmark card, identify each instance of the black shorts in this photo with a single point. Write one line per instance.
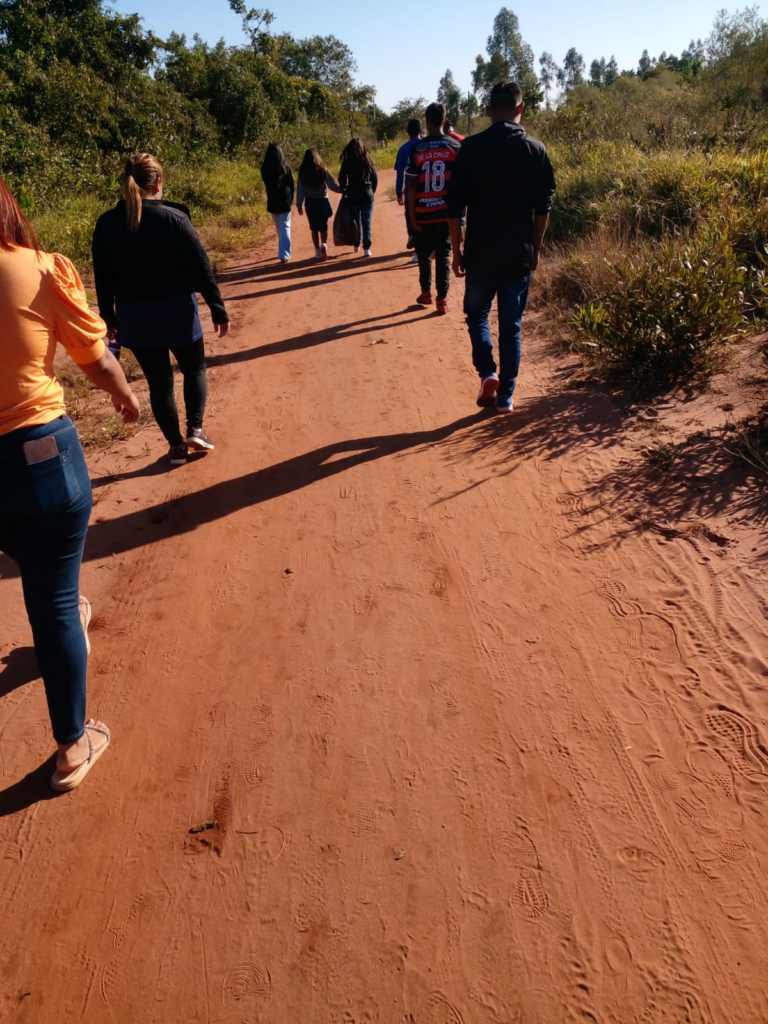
(319, 212)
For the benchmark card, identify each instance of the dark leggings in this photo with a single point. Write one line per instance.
(156, 364)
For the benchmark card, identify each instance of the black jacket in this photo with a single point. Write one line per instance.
(279, 197)
(162, 259)
(503, 177)
(359, 191)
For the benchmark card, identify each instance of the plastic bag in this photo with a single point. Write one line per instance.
(346, 229)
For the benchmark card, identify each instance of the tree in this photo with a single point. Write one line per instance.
(611, 71)
(571, 74)
(488, 73)
(449, 94)
(390, 125)
(737, 63)
(256, 22)
(548, 74)
(597, 73)
(470, 107)
(322, 59)
(479, 75)
(644, 65)
(516, 55)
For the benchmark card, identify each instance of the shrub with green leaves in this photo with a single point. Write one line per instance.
(670, 310)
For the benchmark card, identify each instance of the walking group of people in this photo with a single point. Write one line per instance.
(358, 181)
(149, 266)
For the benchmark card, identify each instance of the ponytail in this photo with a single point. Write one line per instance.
(132, 202)
(141, 172)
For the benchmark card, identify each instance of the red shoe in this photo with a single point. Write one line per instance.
(488, 388)
(425, 299)
(442, 305)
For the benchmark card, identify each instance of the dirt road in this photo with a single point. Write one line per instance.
(479, 746)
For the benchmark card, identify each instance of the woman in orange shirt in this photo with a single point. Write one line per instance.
(45, 491)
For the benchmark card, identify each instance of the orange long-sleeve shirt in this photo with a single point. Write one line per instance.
(42, 302)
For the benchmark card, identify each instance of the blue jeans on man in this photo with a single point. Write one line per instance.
(512, 296)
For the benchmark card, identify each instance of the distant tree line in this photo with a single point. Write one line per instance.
(730, 66)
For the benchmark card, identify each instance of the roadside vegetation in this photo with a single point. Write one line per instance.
(657, 252)
(657, 249)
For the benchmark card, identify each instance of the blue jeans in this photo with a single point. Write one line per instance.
(283, 228)
(363, 215)
(478, 299)
(44, 513)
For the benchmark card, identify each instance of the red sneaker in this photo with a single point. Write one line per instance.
(442, 305)
(425, 299)
(488, 388)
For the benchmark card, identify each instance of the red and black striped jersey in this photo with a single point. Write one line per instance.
(431, 163)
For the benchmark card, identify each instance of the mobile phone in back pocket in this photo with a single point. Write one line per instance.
(41, 450)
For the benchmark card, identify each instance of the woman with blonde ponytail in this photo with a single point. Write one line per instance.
(149, 263)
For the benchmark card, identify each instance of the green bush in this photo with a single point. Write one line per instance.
(672, 307)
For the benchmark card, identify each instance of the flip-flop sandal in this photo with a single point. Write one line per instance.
(84, 607)
(63, 782)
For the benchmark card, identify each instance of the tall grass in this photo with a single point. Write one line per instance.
(659, 257)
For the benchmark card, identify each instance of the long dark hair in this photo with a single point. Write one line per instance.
(313, 170)
(15, 229)
(274, 168)
(357, 159)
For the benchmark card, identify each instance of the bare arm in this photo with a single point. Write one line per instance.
(454, 226)
(540, 222)
(107, 374)
(412, 184)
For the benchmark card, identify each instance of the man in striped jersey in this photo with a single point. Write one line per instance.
(429, 172)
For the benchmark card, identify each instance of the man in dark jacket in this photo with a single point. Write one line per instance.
(504, 181)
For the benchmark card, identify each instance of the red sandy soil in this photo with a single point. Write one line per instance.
(476, 703)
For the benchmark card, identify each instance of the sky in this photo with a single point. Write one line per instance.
(403, 47)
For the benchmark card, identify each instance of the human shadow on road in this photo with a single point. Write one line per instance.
(633, 493)
(313, 281)
(187, 512)
(307, 268)
(20, 669)
(32, 789)
(160, 467)
(302, 341)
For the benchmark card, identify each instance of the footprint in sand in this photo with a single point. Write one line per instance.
(531, 896)
(515, 845)
(740, 740)
(246, 982)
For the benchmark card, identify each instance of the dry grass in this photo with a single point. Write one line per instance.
(235, 231)
(749, 443)
(579, 272)
(91, 409)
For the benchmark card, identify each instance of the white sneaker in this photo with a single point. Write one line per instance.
(318, 254)
(367, 252)
(323, 252)
(415, 258)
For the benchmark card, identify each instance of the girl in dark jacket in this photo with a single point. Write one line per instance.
(148, 263)
(314, 181)
(359, 180)
(278, 181)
